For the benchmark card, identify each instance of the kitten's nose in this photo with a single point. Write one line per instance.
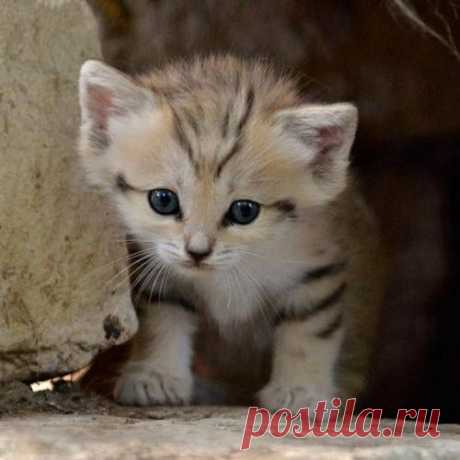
(199, 256)
(198, 247)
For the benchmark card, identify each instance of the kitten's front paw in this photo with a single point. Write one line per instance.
(151, 388)
(275, 396)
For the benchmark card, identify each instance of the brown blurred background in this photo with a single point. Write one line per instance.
(406, 84)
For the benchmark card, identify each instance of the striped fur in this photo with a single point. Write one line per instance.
(215, 131)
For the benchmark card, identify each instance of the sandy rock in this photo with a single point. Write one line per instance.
(195, 433)
(60, 299)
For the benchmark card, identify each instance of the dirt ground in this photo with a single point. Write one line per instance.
(68, 424)
(18, 400)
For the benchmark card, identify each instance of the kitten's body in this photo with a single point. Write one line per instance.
(302, 280)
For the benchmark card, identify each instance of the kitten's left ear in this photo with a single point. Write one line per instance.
(321, 137)
(106, 94)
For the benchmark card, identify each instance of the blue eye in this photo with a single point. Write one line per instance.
(243, 212)
(164, 201)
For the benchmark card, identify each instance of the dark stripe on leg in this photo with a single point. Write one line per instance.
(333, 326)
(322, 305)
(329, 301)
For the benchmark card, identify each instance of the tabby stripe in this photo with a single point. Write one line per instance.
(193, 122)
(286, 207)
(123, 186)
(183, 140)
(331, 327)
(237, 145)
(329, 301)
(225, 123)
(234, 150)
(249, 104)
(322, 272)
(321, 306)
(121, 183)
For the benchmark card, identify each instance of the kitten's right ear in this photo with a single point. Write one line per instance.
(105, 94)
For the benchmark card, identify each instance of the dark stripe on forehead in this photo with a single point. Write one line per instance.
(193, 122)
(241, 124)
(183, 140)
(226, 122)
(247, 112)
(234, 150)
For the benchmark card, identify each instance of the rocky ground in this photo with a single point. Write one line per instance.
(66, 424)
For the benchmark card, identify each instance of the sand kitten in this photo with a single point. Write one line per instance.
(237, 194)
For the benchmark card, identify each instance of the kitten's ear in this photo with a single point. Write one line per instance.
(106, 93)
(321, 137)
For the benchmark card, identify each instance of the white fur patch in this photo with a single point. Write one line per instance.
(303, 368)
(159, 371)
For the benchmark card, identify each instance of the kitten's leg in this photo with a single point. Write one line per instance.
(304, 358)
(159, 370)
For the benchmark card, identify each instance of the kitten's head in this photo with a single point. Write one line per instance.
(211, 163)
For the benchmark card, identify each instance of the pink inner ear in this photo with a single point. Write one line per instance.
(100, 101)
(329, 137)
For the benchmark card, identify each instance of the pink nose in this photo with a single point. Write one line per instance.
(199, 246)
(198, 256)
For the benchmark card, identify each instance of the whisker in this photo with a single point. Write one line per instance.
(263, 299)
(163, 284)
(129, 275)
(228, 288)
(146, 277)
(109, 265)
(142, 278)
(136, 261)
(154, 280)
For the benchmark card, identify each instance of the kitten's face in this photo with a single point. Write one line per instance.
(206, 210)
(215, 191)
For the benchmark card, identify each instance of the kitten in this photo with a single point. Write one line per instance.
(237, 193)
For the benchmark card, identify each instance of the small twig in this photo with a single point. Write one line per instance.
(408, 10)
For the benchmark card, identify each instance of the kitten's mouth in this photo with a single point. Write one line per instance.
(197, 267)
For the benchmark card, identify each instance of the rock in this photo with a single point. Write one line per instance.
(61, 300)
(13, 394)
(198, 433)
